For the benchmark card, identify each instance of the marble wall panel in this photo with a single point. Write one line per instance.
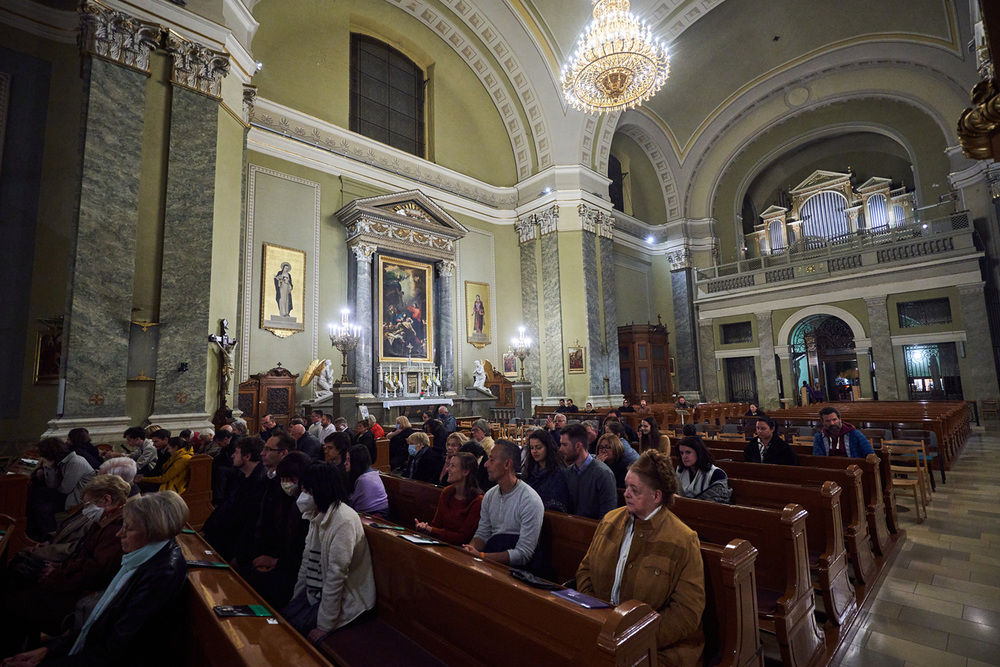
(709, 374)
(608, 285)
(981, 380)
(100, 302)
(363, 357)
(598, 363)
(885, 365)
(767, 393)
(187, 255)
(552, 313)
(529, 313)
(682, 342)
(446, 325)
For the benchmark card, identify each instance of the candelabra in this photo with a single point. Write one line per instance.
(521, 347)
(345, 338)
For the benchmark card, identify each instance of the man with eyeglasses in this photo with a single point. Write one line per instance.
(275, 449)
(266, 426)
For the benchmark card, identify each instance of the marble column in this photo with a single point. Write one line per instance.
(885, 365)
(709, 374)
(446, 325)
(610, 303)
(981, 381)
(597, 369)
(99, 298)
(767, 393)
(362, 356)
(552, 304)
(181, 400)
(527, 231)
(682, 342)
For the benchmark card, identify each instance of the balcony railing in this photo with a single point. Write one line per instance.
(814, 258)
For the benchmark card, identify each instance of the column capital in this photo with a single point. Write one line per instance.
(526, 230)
(548, 220)
(679, 259)
(971, 289)
(596, 221)
(249, 101)
(116, 36)
(875, 301)
(196, 66)
(364, 251)
(705, 322)
(764, 316)
(446, 268)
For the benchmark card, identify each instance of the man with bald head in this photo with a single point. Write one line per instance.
(555, 425)
(306, 442)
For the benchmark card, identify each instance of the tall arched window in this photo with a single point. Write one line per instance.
(823, 215)
(387, 95)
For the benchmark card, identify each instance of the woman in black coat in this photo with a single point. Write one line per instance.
(397, 443)
(425, 461)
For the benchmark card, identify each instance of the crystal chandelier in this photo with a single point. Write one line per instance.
(617, 64)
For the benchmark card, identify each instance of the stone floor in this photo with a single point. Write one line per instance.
(940, 604)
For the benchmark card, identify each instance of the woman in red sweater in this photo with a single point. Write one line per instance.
(457, 516)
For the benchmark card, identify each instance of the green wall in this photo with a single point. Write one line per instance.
(647, 195)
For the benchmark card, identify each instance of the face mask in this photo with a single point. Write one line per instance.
(291, 488)
(305, 502)
(93, 513)
(412, 449)
(342, 428)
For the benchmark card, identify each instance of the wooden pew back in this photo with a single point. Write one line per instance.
(198, 494)
(14, 503)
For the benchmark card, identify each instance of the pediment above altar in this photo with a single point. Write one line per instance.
(822, 180)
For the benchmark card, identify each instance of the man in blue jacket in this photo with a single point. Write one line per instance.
(838, 438)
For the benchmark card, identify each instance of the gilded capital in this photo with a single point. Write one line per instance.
(364, 251)
(113, 35)
(446, 268)
(196, 66)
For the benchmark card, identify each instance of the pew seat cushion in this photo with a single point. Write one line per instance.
(375, 642)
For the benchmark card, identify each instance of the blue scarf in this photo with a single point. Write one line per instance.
(130, 563)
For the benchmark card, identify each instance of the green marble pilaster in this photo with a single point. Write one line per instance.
(187, 259)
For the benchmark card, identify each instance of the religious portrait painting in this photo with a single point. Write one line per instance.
(477, 314)
(48, 355)
(509, 364)
(405, 314)
(283, 290)
(577, 359)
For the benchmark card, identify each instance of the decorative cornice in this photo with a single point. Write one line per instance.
(196, 66)
(446, 268)
(548, 220)
(875, 301)
(526, 229)
(363, 251)
(597, 221)
(115, 36)
(972, 289)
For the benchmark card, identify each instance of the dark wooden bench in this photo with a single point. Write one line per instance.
(6, 532)
(240, 641)
(198, 494)
(14, 503)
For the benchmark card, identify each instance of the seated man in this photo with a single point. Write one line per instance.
(306, 442)
(326, 427)
(630, 433)
(510, 519)
(227, 522)
(562, 405)
(838, 438)
(555, 425)
(626, 407)
(592, 490)
(645, 535)
(447, 421)
(315, 425)
(643, 408)
(144, 451)
(267, 425)
(571, 407)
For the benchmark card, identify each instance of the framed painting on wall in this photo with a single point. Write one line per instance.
(406, 310)
(283, 290)
(477, 314)
(509, 364)
(577, 359)
(48, 354)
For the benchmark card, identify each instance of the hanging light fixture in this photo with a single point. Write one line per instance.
(617, 64)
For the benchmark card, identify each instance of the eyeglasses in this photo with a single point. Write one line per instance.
(271, 449)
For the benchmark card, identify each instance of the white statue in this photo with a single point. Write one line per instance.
(325, 380)
(479, 379)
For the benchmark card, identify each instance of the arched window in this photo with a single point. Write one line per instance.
(387, 95)
(823, 215)
(878, 214)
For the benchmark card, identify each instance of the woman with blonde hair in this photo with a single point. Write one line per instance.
(397, 442)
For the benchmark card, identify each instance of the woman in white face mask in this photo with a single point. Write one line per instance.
(336, 583)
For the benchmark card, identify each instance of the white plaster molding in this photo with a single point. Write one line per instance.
(740, 352)
(658, 159)
(526, 228)
(548, 220)
(596, 221)
(37, 19)
(196, 67)
(100, 428)
(248, 323)
(117, 36)
(928, 338)
(363, 251)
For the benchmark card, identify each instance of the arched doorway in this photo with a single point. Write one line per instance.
(822, 348)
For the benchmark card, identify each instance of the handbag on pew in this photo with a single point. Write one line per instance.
(535, 582)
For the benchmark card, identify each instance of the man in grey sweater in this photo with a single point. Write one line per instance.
(591, 483)
(510, 518)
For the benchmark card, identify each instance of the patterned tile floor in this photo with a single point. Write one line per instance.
(940, 604)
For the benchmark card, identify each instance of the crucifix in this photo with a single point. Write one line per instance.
(227, 346)
(409, 350)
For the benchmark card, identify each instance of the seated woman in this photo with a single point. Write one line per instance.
(452, 445)
(336, 582)
(650, 438)
(768, 447)
(425, 462)
(57, 485)
(543, 471)
(437, 435)
(140, 602)
(175, 471)
(78, 440)
(697, 475)
(753, 411)
(661, 565)
(367, 490)
(397, 442)
(457, 515)
(612, 454)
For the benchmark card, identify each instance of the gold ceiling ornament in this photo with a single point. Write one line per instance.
(617, 65)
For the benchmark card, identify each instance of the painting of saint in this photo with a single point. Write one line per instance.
(509, 363)
(282, 290)
(478, 315)
(576, 360)
(477, 302)
(404, 315)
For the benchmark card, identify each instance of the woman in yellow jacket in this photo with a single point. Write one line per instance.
(175, 471)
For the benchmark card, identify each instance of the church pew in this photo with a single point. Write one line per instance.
(14, 503)
(198, 494)
(825, 534)
(6, 532)
(731, 591)
(382, 462)
(785, 598)
(241, 641)
(856, 534)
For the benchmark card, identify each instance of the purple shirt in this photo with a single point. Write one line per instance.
(369, 494)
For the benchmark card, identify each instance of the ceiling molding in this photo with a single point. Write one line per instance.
(658, 159)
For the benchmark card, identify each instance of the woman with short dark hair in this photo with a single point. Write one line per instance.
(336, 583)
(368, 494)
(626, 560)
(697, 476)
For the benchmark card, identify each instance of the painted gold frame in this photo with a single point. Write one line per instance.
(420, 272)
(576, 360)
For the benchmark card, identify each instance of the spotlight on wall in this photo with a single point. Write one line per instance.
(260, 66)
(649, 239)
